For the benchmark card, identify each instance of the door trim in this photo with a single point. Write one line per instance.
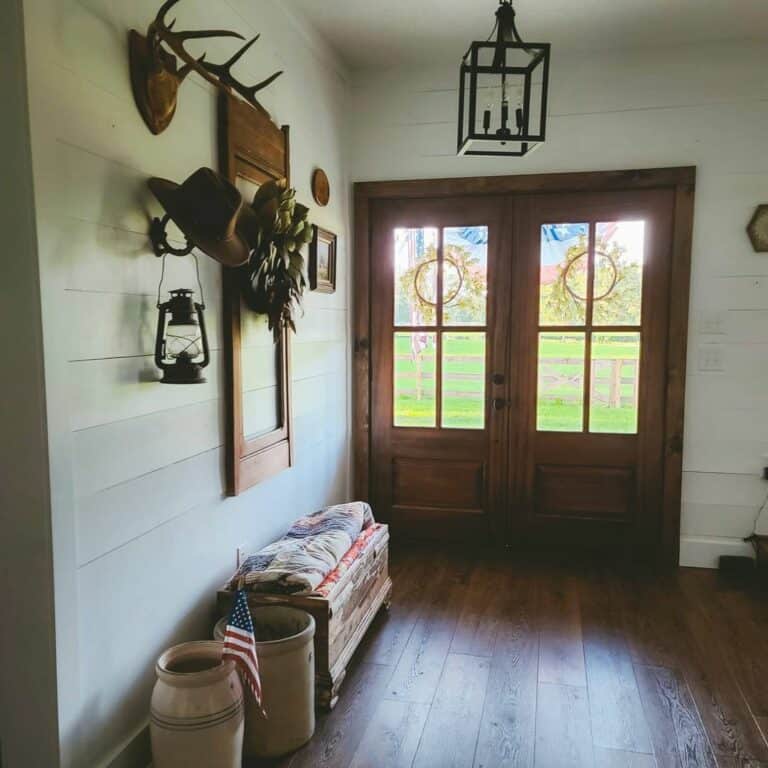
(682, 180)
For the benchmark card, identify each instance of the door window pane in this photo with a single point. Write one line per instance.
(618, 282)
(560, 401)
(465, 275)
(463, 404)
(415, 276)
(563, 274)
(415, 402)
(615, 380)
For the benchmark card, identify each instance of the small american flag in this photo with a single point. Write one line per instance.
(240, 646)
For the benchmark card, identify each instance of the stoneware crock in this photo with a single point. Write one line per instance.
(287, 667)
(197, 709)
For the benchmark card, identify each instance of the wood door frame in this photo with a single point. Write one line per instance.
(680, 179)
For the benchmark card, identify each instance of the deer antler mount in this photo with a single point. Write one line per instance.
(156, 73)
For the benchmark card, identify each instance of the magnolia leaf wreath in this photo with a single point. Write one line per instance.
(276, 228)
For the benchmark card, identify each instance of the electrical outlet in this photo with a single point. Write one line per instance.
(711, 357)
(242, 554)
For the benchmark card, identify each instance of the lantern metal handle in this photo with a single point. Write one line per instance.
(160, 337)
(197, 273)
(201, 320)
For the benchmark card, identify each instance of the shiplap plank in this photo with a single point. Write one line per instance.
(118, 389)
(717, 520)
(111, 259)
(706, 393)
(621, 142)
(428, 94)
(111, 454)
(740, 490)
(105, 325)
(108, 519)
(322, 324)
(94, 120)
(323, 358)
(706, 451)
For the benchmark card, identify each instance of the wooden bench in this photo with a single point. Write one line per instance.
(342, 617)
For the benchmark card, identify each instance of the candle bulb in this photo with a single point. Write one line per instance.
(487, 120)
(504, 115)
(519, 120)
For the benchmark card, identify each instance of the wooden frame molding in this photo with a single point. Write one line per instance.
(254, 148)
(681, 180)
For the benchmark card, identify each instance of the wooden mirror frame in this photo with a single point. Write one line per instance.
(254, 148)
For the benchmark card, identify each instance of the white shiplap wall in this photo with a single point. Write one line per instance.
(142, 533)
(705, 106)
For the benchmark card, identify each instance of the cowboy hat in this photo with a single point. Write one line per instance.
(206, 208)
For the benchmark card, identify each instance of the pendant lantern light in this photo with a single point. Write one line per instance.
(503, 92)
(181, 344)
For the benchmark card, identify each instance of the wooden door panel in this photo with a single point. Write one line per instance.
(584, 493)
(440, 483)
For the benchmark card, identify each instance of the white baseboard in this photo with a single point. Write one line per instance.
(704, 551)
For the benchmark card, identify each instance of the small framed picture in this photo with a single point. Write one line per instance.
(322, 261)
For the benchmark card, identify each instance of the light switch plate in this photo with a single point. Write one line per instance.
(711, 357)
(712, 322)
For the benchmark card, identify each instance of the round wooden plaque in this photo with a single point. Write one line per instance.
(321, 188)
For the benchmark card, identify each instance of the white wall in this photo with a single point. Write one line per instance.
(142, 533)
(28, 733)
(702, 106)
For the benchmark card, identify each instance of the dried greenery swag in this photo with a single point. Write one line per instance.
(276, 229)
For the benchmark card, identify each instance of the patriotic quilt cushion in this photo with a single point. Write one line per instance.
(298, 563)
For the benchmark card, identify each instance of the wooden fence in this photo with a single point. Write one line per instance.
(614, 381)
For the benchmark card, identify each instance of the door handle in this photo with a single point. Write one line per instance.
(499, 403)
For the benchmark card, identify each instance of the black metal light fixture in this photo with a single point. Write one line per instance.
(206, 208)
(503, 92)
(181, 344)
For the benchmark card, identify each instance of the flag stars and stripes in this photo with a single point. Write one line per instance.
(240, 646)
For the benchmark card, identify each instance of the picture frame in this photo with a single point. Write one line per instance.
(322, 261)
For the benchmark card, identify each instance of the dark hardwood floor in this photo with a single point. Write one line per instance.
(488, 662)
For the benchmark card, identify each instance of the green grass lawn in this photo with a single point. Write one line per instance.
(558, 408)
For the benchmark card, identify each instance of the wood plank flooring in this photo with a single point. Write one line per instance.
(488, 662)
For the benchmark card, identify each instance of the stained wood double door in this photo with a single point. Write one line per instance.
(519, 367)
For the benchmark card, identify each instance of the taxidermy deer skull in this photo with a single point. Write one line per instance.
(156, 76)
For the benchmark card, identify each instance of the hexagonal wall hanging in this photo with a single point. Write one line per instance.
(757, 229)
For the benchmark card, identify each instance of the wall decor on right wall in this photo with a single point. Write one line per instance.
(321, 187)
(322, 261)
(757, 229)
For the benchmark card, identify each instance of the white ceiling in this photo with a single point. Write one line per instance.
(374, 33)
